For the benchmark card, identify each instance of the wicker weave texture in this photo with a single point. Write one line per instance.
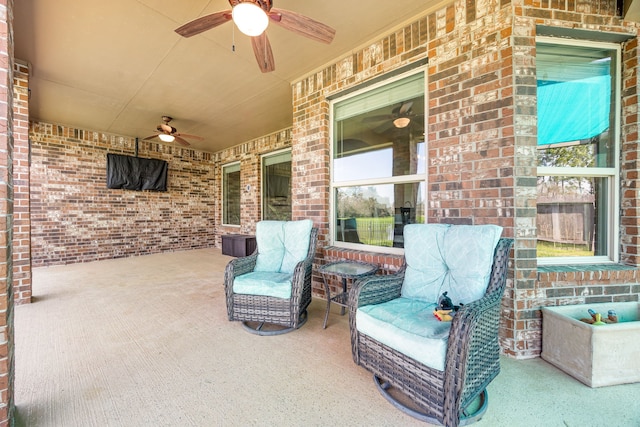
(473, 351)
(278, 311)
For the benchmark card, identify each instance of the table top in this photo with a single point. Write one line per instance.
(348, 269)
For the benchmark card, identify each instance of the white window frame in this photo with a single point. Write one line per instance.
(404, 179)
(613, 173)
(262, 166)
(224, 177)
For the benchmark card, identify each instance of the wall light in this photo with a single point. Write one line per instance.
(166, 138)
(250, 18)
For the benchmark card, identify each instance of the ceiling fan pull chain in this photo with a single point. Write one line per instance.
(265, 50)
(233, 38)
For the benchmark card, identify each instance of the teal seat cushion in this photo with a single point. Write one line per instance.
(408, 326)
(448, 258)
(265, 283)
(282, 244)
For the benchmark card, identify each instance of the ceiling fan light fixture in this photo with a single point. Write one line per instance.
(250, 18)
(166, 138)
(401, 122)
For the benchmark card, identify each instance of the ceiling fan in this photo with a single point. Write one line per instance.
(252, 18)
(401, 116)
(167, 133)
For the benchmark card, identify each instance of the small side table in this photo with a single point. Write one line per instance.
(346, 270)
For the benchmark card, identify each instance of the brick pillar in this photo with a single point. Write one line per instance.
(629, 160)
(21, 194)
(6, 212)
(521, 314)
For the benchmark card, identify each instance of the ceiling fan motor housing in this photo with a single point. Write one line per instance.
(262, 4)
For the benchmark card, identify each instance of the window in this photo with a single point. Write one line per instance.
(231, 194)
(276, 186)
(378, 164)
(578, 118)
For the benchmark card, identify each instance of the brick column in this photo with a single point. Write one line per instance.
(629, 160)
(6, 213)
(21, 187)
(522, 334)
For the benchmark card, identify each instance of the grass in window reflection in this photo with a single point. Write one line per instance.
(551, 249)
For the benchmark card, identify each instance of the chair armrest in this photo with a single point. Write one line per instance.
(301, 276)
(237, 267)
(375, 290)
(301, 279)
(370, 290)
(475, 321)
(473, 350)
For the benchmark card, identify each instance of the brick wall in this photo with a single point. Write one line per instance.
(6, 215)
(584, 286)
(470, 119)
(75, 218)
(534, 288)
(21, 200)
(249, 155)
(481, 138)
(630, 160)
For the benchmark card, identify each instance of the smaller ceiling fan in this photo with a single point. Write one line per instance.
(167, 133)
(400, 116)
(252, 18)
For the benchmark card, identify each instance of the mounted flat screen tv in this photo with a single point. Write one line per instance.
(136, 173)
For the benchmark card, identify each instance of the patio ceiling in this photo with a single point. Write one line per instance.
(119, 66)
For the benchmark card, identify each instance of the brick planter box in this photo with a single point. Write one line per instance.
(595, 355)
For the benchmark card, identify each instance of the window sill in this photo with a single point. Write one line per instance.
(583, 268)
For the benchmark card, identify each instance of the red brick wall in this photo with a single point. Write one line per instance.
(533, 289)
(481, 138)
(75, 218)
(630, 160)
(21, 200)
(249, 155)
(470, 119)
(6, 214)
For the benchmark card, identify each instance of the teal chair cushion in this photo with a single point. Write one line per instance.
(296, 243)
(270, 242)
(282, 244)
(264, 283)
(408, 326)
(454, 259)
(423, 246)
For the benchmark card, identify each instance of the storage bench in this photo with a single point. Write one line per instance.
(238, 245)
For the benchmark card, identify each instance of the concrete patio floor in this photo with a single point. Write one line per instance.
(145, 341)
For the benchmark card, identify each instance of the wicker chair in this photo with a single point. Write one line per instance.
(452, 396)
(254, 284)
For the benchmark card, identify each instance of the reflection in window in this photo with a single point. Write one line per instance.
(276, 187)
(231, 194)
(567, 224)
(577, 159)
(376, 215)
(379, 163)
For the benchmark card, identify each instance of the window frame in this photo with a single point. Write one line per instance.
(223, 195)
(420, 178)
(612, 174)
(263, 158)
